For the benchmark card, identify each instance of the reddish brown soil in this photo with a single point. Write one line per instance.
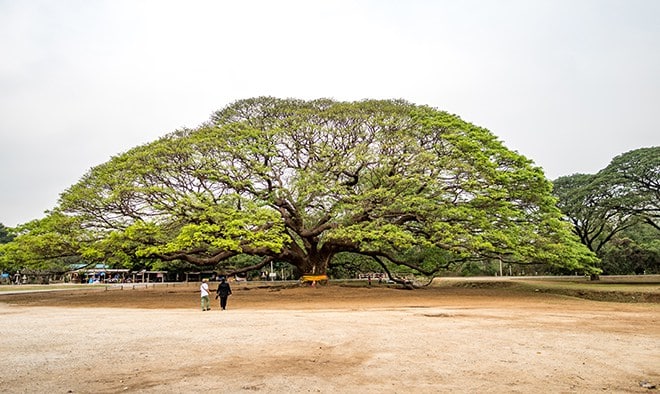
(325, 339)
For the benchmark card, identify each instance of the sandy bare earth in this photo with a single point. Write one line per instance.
(328, 339)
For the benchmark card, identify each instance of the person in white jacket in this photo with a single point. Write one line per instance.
(204, 289)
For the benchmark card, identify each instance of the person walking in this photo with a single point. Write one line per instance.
(204, 290)
(224, 290)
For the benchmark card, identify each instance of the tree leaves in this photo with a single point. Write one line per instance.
(302, 181)
(604, 206)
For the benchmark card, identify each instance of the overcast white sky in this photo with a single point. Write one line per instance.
(568, 83)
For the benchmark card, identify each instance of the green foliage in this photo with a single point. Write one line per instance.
(606, 208)
(635, 251)
(632, 182)
(302, 182)
(348, 265)
(47, 244)
(478, 269)
(5, 234)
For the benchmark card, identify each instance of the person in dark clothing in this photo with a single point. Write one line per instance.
(224, 290)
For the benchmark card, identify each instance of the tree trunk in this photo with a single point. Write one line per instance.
(314, 266)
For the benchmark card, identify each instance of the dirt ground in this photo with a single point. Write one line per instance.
(328, 339)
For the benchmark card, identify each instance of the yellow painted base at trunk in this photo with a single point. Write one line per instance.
(313, 278)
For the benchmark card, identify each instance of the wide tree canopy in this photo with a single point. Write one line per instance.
(302, 181)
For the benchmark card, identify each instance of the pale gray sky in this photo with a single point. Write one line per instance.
(568, 83)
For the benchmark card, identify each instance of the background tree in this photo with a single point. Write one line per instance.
(304, 181)
(588, 205)
(633, 181)
(348, 265)
(634, 251)
(615, 212)
(5, 234)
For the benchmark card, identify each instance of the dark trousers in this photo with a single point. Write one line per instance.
(223, 302)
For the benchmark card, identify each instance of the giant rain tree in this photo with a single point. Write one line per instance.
(301, 181)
